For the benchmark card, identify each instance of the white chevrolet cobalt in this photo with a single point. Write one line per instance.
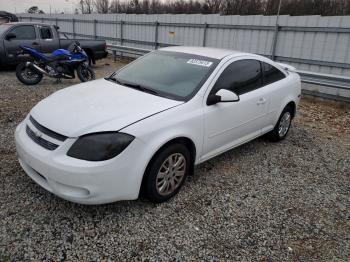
(144, 128)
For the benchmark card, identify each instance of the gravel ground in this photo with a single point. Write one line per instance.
(259, 202)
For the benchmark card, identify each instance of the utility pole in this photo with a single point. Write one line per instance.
(275, 35)
(278, 12)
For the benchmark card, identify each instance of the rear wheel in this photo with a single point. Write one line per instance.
(27, 76)
(167, 173)
(85, 73)
(282, 127)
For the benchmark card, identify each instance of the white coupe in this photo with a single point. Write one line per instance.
(143, 129)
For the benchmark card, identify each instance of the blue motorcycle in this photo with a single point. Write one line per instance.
(61, 64)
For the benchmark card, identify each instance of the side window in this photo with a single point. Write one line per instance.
(271, 74)
(45, 32)
(241, 77)
(24, 32)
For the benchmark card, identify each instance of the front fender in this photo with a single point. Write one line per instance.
(158, 130)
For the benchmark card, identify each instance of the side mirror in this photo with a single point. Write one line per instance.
(10, 36)
(222, 96)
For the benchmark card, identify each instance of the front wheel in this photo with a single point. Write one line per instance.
(166, 173)
(27, 76)
(85, 73)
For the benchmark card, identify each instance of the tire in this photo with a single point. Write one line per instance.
(282, 127)
(88, 61)
(27, 76)
(157, 185)
(85, 73)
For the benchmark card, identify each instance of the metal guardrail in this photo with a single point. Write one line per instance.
(334, 81)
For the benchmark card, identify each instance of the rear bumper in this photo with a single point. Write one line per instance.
(100, 55)
(77, 180)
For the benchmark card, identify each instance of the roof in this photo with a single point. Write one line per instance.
(216, 53)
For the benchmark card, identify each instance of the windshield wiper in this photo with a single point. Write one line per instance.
(134, 86)
(141, 88)
(111, 78)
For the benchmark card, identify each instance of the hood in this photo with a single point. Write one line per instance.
(97, 106)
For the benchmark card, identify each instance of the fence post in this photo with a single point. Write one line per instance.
(205, 34)
(121, 35)
(42, 20)
(95, 29)
(73, 26)
(114, 55)
(121, 32)
(274, 42)
(56, 21)
(156, 24)
(30, 19)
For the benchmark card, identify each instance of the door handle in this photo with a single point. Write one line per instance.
(35, 43)
(261, 101)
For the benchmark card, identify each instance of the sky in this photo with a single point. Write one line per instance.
(20, 6)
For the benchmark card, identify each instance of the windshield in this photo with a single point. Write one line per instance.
(170, 74)
(3, 28)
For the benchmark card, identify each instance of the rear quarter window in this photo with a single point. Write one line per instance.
(271, 73)
(46, 33)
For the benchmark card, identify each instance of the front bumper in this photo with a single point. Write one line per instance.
(77, 180)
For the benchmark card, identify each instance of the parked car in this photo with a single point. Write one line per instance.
(42, 37)
(144, 128)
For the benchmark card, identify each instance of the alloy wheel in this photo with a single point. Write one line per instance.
(171, 174)
(284, 124)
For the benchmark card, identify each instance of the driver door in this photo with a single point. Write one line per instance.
(229, 124)
(25, 35)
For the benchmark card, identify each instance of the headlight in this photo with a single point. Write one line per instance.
(100, 146)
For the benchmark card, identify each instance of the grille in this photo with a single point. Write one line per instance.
(40, 141)
(47, 131)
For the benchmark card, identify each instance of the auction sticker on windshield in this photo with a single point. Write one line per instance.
(199, 62)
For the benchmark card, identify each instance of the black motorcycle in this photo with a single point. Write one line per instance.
(60, 64)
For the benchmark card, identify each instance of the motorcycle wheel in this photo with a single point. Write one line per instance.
(85, 73)
(28, 76)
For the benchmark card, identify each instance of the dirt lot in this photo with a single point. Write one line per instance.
(260, 202)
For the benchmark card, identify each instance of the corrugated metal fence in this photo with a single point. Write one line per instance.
(310, 43)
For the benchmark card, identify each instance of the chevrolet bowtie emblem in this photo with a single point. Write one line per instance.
(38, 133)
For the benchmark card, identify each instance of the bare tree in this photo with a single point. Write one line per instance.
(89, 6)
(115, 7)
(102, 6)
(81, 6)
(224, 7)
(86, 6)
(145, 7)
(35, 10)
(212, 6)
(155, 7)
